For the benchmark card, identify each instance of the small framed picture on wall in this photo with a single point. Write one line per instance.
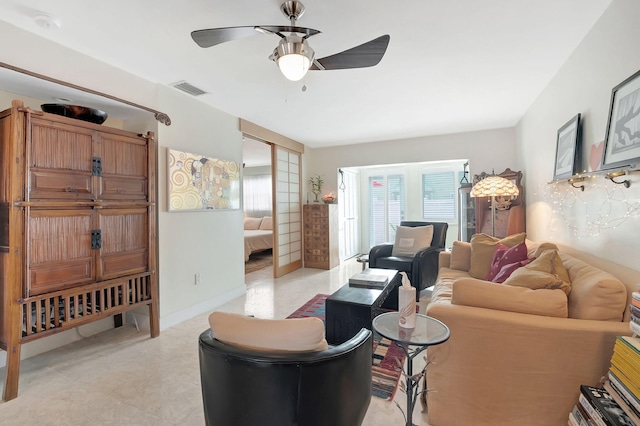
(622, 140)
(568, 149)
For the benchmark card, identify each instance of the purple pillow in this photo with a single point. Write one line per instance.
(504, 255)
(507, 269)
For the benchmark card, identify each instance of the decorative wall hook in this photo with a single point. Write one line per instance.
(575, 180)
(342, 186)
(611, 176)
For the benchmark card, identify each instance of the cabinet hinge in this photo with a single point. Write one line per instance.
(97, 166)
(96, 239)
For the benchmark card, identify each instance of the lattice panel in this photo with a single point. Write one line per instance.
(65, 309)
(56, 236)
(54, 148)
(124, 157)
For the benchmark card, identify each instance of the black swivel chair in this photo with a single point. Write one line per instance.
(422, 269)
(244, 387)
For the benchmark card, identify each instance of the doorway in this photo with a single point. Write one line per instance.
(349, 212)
(257, 205)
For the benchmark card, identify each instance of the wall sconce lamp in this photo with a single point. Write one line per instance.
(494, 186)
(611, 176)
(575, 180)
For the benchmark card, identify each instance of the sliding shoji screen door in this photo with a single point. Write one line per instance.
(287, 252)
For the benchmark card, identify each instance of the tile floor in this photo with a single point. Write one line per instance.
(123, 377)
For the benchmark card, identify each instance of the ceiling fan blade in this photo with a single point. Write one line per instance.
(363, 56)
(308, 32)
(213, 36)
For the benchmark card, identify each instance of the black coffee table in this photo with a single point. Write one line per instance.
(351, 308)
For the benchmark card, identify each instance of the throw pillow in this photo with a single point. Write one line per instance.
(460, 256)
(410, 239)
(536, 250)
(481, 294)
(252, 222)
(287, 335)
(549, 261)
(541, 273)
(506, 271)
(482, 247)
(535, 280)
(266, 223)
(503, 256)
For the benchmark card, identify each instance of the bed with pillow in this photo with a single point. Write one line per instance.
(258, 235)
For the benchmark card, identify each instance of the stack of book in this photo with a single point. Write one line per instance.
(635, 312)
(618, 401)
(597, 407)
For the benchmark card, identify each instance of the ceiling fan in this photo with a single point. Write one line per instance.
(293, 55)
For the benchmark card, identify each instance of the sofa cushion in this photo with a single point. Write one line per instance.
(505, 256)
(444, 284)
(287, 335)
(460, 256)
(595, 294)
(483, 294)
(410, 239)
(252, 222)
(482, 246)
(266, 223)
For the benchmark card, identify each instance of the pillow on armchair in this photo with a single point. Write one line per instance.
(286, 335)
(410, 239)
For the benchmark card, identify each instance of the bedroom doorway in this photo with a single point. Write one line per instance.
(286, 206)
(257, 202)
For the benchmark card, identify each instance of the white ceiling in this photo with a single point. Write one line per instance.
(451, 66)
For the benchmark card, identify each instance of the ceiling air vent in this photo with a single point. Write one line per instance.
(188, 88)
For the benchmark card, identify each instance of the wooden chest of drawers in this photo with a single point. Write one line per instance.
(321, 248)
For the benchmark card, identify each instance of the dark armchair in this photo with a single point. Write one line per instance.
(422, 269)
(243, 387)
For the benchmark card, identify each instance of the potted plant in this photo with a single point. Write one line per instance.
(316, 186)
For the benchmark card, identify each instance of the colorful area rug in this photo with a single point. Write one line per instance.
(387, 357)
(258, 261)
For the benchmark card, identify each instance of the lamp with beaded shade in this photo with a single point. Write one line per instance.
(494, 186)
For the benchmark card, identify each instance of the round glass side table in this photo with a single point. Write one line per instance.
(427, 332)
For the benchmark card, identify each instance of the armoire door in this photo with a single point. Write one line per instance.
(59, 249)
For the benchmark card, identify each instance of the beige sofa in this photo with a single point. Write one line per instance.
(517, 356)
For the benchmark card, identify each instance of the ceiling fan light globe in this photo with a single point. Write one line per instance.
(293, 66)
(293, 58)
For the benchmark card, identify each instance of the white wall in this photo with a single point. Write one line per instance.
(608, 55)
(209, 243)
(486, 150)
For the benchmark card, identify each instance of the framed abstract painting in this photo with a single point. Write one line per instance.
(200, 183)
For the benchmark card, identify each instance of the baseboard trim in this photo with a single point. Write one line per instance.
(200, 308)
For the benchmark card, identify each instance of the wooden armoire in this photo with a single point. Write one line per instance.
(77, 227)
